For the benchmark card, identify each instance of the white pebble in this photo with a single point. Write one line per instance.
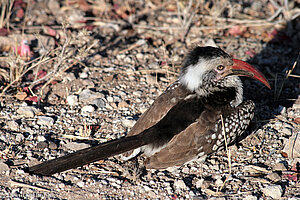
(274, 191)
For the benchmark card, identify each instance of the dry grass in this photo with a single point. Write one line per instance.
(228, 154)
(287, 75)
(62, 58)
(6, 7)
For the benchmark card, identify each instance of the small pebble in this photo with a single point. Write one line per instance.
(76, 146)
(199, 183)
(279, 167)
(40, 138)
(123, 104)
(19, 137)
(27, 111)
(52, 145)
(109, 99)
(286, 131)
(274, 177)
(80, 184)
(72, 100)
(274, 191)
(87, 109)
(179, 184)
(219, 182)
(44, 120)
(41, 145)
(128, 123)
(83, 75)
(87, 96)
(13, 125)
(250, 197)
(99, 102)
(3, 167)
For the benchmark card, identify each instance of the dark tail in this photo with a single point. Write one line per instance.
(88, 155)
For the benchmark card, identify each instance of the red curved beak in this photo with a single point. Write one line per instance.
(242, 68)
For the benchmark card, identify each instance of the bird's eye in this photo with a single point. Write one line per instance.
(220, 67)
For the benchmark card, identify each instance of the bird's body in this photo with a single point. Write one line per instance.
(191, 119)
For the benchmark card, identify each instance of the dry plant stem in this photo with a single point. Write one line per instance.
(228, 20)
(228, 152)
(293, 75)
(4, 5)
(187, 24)
(203, 27)
(45, 60)
(149, 10)
(143, 71)
(18, 184)
(62, 58)
(58, 74)
(246, 23)
(287, 76)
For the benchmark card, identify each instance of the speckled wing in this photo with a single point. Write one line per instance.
(204, 136)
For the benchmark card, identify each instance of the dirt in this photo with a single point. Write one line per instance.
(77, 73)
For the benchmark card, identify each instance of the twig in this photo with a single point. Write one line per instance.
(287, 76)
(228, 152)
(137, 44)
(155, 28)
(187, 25)
(149, 10)
(47, 59)
(223, 19)
(19, 184)
(294, 75)
(62, 58)
(56, 75)
(275, 15)
(146, 71)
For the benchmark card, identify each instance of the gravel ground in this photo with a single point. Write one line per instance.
(101, 64)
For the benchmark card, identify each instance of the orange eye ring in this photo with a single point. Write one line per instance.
(220, 67)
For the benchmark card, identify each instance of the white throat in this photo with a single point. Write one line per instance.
(193, 76)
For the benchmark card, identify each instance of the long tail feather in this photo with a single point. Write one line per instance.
(88, 155)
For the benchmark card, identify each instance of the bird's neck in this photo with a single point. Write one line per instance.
(230, 91)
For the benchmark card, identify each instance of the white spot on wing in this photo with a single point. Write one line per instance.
(213, 136)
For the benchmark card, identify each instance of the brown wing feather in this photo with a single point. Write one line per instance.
(203, 136)
(161, 106)
(186, 145)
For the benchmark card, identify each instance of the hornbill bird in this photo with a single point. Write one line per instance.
(191, 119)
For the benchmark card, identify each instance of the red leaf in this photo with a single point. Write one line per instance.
(49, 31)
(94, 128)
(24, 50)
(291, 177)
(236, 30)
(163, 63)
(3, 32)
(26, 89)
(32, 98)
(20, 13)
(41, 74)
(89, 27)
